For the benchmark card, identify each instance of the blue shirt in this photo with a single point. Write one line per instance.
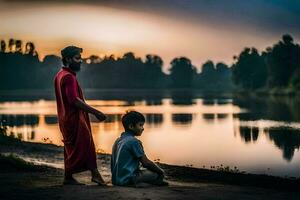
(125, 159)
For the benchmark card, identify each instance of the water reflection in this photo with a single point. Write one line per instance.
(241, 132)
(223, 101)
(51, 119)
(249, 134)
(208, 102)
(221, 116)
(110, 118)
(288, 140)
(182, 97)
(209, 117)
(271, 108)
(153, 101)
(19, 120)
(182, 118)
(276, 116)
(154, 119)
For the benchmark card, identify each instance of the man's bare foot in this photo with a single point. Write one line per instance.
(97, 178)
(71, 181)
(99, 181)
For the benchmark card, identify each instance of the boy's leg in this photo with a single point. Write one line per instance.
(146, 176)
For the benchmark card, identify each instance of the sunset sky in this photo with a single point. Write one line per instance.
(197, 29)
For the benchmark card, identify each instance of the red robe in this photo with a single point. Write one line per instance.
(74, 124)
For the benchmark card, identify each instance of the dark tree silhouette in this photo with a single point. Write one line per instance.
(207, 75)
(154, 61)
(18, 46)
(182, 72)
(11, 45)
(93, 59)
(3, 46)
(52, 62)
(249, 69)
(153, 69)
(287, 140)
(214, 77)
(208, 67)
(208, 71)
(223, 75)
(131, 70)
(222, 68)
(129, 56)
(30, 49)
(282, 61)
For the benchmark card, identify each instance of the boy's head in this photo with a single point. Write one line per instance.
(133, 121)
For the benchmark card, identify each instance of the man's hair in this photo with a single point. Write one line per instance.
(69, 52)
(132, 117)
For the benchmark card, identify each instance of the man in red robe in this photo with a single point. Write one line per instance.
(74, 123)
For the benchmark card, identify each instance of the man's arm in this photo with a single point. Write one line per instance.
(151, 165)
(85, 107)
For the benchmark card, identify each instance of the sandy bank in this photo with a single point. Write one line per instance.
(27, 181)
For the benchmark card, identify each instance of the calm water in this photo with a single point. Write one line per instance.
(257, 135)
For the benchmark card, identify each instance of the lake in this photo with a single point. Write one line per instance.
(256, 134)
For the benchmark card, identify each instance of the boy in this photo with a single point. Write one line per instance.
(128, 153)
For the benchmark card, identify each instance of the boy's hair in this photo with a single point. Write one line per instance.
(132, 117)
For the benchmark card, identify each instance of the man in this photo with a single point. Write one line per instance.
(74, 123)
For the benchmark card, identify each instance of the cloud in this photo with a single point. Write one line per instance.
(277, 16)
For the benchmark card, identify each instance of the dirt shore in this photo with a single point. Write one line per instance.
(43, 179)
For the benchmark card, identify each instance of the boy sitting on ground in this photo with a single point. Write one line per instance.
(128, 153)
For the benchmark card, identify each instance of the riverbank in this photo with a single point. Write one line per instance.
(42, 178)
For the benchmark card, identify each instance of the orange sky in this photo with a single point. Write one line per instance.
(105, 30)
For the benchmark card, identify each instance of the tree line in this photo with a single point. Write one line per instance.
(21, 69)
(277, 66)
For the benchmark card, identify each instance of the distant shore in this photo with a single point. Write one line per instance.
(140, 94)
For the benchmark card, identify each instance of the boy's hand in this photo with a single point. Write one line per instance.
(151, 166)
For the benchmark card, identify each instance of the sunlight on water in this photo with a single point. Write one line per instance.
(199, 133)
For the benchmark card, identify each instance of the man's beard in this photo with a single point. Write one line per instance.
(75, 66)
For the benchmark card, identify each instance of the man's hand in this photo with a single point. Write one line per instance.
(100, 116)
(85, 107)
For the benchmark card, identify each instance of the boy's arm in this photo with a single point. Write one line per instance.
(151, 165)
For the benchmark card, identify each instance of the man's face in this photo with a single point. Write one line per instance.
(138, 128)
(75, 63)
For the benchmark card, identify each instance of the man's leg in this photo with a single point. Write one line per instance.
(96, 177)
(70, 180)
(146, 176)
